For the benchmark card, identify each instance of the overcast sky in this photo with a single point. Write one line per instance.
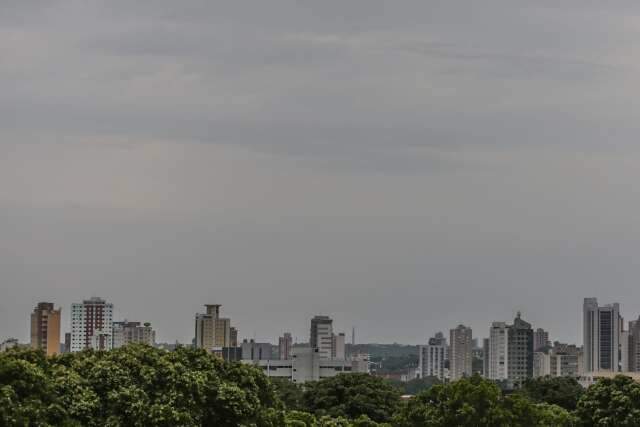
(403, 166)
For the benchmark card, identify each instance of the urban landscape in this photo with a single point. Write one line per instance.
(512, 353)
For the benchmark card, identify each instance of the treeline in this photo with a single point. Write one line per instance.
(147, 387)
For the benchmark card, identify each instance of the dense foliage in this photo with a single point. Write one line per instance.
(561, 391)
(142, 386)
(353, 395)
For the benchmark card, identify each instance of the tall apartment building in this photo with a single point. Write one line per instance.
(485, 357)
(233, 336)
(601, 334)
(212, 331)
(432, 357)
(285, 344)
(321, 336)
(338, 347)
(520, 350)
(45, 328)
(498, 360)
(461, 352)
(132, 332)
(540, 339)
(634, 346)
(510, 351)
(91, 325)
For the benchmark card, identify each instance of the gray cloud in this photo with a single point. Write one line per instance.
(402, 166)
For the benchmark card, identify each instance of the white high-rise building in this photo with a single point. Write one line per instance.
(321, 336)
(432, 357)
(601, 333)
(91, 325)
(498, 351)
(461, 352)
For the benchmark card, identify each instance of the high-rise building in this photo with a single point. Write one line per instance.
(132, 332)
(45, 328)
(520, 350)
(337, 351)
(634, 346)
(285, 344)
(461, 354)
(498, 360)
(485, 357)
(601, 334)
(321, 336)
(211, 331)
(432, 357)
(540, 339)
(233, 336)
(511, 351)
(561, 360)
(91, 325)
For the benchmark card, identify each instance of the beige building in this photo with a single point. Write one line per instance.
(461, 352)
(213, 332)
(45, 328)
(132, 333)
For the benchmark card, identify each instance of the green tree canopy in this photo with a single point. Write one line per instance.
(611, 402)
(561, 391)
(352, 395)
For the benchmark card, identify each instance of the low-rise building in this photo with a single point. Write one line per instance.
(308, 364)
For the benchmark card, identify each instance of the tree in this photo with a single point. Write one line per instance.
(351, 396)
(418, 385)
(610, 402)
(289, 393)
(561, 391)
(134, 386)
(467, 402)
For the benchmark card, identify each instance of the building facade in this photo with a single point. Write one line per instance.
(498, 360)
(91, 325)
(213, 332)
(285, 344)
(520, 350)
(45, 328)
(306, 364)
(321, 336)
(253, 351)
(132, 333)
(540, 339)
(601, 336)
(461, 352)
(432, 357)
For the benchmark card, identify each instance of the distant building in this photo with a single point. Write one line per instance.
(559, 361)
(431, 357)
(485, 357)
(520, 350)
(601, 336)
(285, 344)
(306, 364)
(254, 351)
(45, 328)
(9, 343)
(321, 336)
(498, 351)
(213, 332)
(540, 339)
(634, 346)
(91, 325)
(132, 333)
(233, 335)
(338, 347)
(510, 351)
(67, 342)
(460, 356)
